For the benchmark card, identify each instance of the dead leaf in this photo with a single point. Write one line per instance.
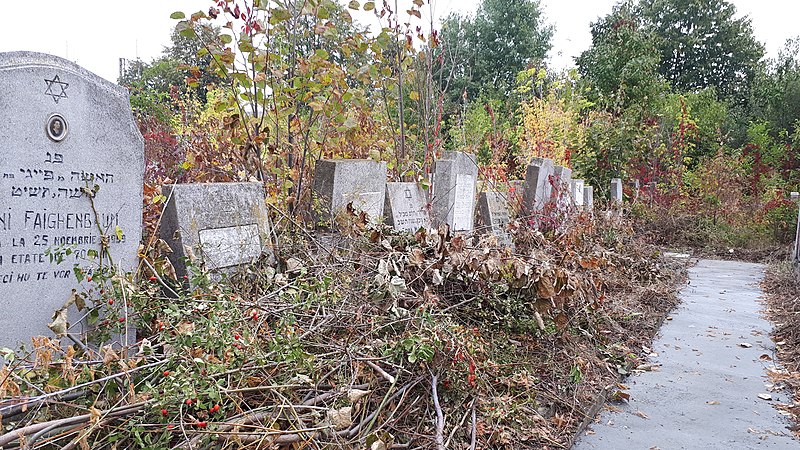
(745, 345)
(641, 414)
(416, 258)
(59, 324)
(340, 418)
(545, 288)
(620, 396)
(712, 402)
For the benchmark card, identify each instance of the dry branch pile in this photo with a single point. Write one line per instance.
(783, 300)
(367, 339)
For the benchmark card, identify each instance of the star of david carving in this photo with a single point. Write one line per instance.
(56, 88)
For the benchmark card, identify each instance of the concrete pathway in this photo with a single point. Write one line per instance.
(705, 395)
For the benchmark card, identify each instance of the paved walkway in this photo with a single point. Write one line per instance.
(705, 395)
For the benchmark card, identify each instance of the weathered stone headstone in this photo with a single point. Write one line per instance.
(562, 187)
(455, 178)
(63, 131)
(588, 197)
(796, 253)
(218, 225)
(795, 196)
(360, 182)
(797, 240)
(577, 193)
(616, 190)
(538, 187)
(493, 216)
(406, 206)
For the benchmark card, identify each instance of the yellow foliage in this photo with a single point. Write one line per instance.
(550, 128)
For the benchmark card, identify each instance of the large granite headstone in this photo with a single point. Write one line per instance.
(360, 182)
(219, 225)
(63, 131)
(616, 190)
(538, 187)
(406, 206)
(493, 215)
(455, 179)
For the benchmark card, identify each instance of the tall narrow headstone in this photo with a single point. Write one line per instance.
(795, 196)
(455, 178)
(71, 170)
(588, 197)
(797, 242)
(577, 193)
(562, 187)
(616, 190)
(538, 187)
(406, 206)
(339, 182)
(493, 216)
(222, 225)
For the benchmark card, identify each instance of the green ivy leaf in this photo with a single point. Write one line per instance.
(177, 15)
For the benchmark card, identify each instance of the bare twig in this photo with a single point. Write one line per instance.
(439, 414)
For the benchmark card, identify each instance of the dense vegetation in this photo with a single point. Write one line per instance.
(379, 339)
(676, 93)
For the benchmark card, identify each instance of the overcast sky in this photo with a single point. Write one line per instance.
(96, 33)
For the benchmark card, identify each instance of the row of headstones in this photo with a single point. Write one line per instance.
(407, 207)
(71, 177)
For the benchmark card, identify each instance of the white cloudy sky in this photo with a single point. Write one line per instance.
(96, 33)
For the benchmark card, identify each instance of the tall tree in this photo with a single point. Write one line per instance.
(702, 44)
(484, 53)
(776, 92)
(622, 64)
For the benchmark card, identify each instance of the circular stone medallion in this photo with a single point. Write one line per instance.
(56, 127)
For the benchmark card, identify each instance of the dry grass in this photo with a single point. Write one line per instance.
(782, 288)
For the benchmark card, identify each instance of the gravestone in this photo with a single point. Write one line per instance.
(577, 193)
(538, 187)
(63, 131)
(360, 182)
(795, 196)
(406, 206)
(218, 225)
(455, 178)
(616, 190)
(493, 216)
(588, 197)
(796, 252)
(797, 240)
(563, 176)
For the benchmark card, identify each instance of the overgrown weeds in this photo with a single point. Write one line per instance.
(782, 287)
(365, 339)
